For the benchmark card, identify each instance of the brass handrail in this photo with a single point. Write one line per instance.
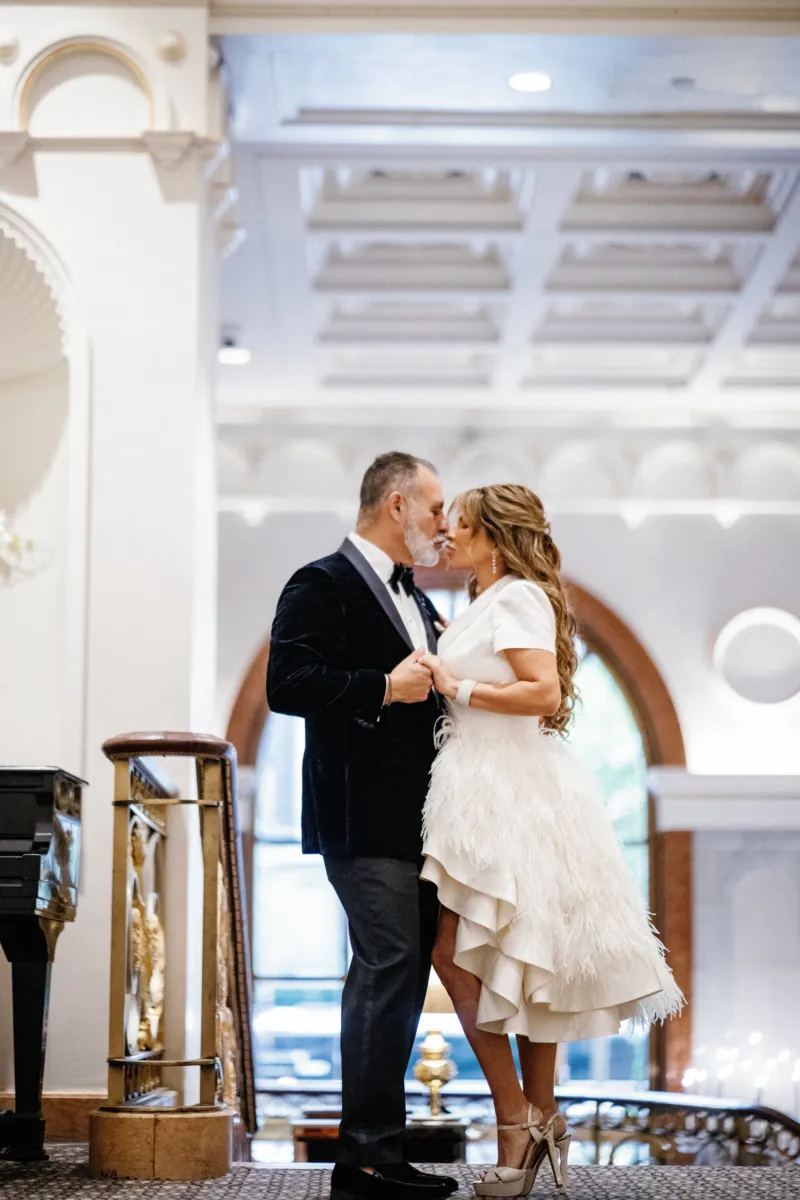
(143, 797)
(682, 1128)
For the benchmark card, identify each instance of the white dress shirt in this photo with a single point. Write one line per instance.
(406, 605)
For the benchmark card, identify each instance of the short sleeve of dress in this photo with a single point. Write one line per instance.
(523, 618)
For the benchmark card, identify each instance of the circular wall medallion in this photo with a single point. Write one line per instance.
(758, 655)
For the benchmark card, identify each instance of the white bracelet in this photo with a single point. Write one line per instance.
(464, 692)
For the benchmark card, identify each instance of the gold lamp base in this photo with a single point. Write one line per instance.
(435, 1069)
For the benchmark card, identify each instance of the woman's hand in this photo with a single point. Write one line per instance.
(445, 682)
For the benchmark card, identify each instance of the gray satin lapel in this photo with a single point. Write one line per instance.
(430, 632)
(378, 589)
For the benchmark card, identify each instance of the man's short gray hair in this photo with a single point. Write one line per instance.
(392, 472)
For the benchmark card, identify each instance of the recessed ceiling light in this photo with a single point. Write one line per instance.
(231, 355)
(530, 81)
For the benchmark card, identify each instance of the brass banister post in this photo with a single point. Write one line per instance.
(141, 1132)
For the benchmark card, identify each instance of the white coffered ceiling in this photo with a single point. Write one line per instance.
(430, 250)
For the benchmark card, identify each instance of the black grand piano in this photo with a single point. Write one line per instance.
(40, 835)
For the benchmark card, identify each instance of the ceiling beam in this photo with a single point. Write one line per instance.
(462, 149)
(421, 233)
(632, 404)
(537, 250)
(500, 295)
(757, 290)
(696, 120)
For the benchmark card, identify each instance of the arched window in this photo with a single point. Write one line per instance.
(300, 949)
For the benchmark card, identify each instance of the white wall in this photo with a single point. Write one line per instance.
(254, 564)
(676, 582)
(747, 960)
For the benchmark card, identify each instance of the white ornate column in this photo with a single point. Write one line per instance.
(112, 153)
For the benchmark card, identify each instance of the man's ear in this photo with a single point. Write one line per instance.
(397, 505)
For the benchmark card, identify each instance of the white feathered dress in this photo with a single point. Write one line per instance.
(519, 845)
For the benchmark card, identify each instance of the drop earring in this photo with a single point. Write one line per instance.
(494, 562)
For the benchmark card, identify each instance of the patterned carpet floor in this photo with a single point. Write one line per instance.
(65, 1176)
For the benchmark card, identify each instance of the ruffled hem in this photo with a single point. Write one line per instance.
(523, 990)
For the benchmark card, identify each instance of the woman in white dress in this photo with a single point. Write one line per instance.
(542, 932)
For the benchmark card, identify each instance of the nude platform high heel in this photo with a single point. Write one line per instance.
(518, 1181)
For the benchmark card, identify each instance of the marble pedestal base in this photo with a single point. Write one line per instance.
(160, 1145)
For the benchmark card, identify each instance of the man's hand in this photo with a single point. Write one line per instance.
(411, 680)
(445, 682)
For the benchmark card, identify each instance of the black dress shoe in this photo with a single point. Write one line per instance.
(351, 1183)
(434, 1185)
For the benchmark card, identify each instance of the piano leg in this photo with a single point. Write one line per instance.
(25, 946)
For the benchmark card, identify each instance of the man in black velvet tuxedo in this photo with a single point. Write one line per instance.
(347, 637)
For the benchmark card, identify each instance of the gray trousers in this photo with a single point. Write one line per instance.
(392, 917)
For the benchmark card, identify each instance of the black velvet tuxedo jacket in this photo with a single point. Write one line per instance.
(336, 636)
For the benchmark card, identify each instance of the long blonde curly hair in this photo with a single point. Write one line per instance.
(515, 521)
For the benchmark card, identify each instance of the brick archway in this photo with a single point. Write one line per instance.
(671, 854)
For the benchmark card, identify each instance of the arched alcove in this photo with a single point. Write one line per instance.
(578, 471)
(33, 377)
(85, 84)
(44, 404)
(675, 470)
(44, 431)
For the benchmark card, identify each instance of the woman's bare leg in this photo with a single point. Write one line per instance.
(538, 1062)
(492, 1050)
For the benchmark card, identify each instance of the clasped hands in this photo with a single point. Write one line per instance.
(413, 678)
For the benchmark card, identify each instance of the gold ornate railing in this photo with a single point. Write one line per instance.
(612, 1127)
(143, 796)
(677, 1129)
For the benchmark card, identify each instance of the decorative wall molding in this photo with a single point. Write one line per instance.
(633, 16)
(635, 475)
(724, 802)
(171, 46)
(172, 148)
(37, 67)
(9, 46)
(766, 123)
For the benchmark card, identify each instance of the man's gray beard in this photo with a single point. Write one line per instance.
(423, 550)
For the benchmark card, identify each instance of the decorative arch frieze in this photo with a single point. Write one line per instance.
(40, 64)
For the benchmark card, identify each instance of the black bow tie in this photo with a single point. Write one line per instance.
(402, 576)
